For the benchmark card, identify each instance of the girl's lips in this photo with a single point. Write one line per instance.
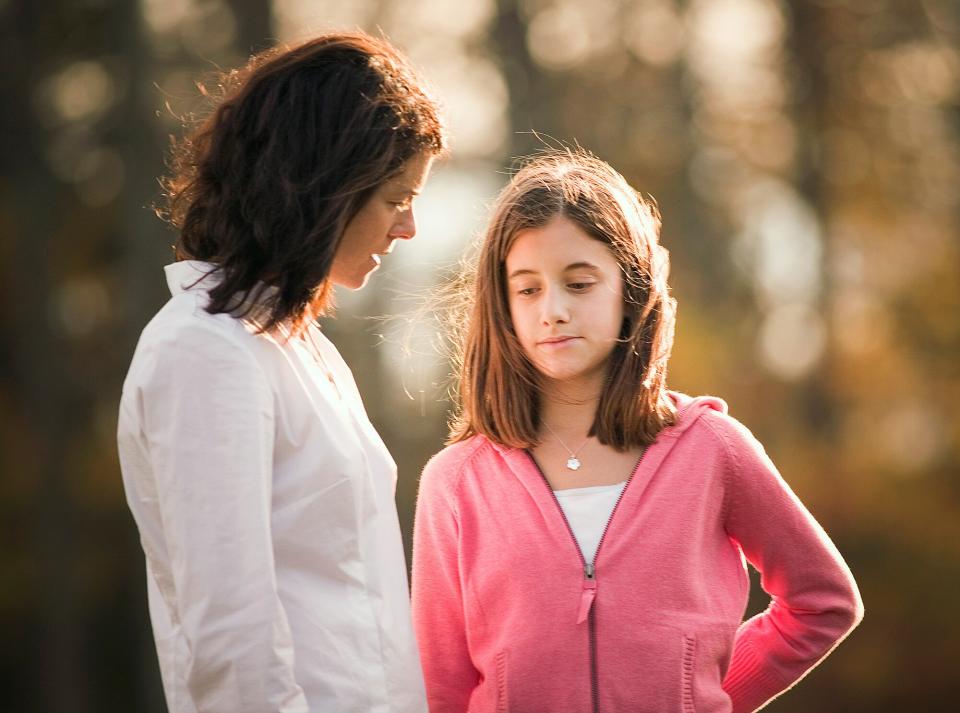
(554, 342)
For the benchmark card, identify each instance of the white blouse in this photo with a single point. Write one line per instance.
(588, 510)
(265, 503)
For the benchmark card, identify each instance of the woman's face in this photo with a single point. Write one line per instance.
(566, 300)
(387, 216)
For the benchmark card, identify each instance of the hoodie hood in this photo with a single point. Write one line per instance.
(690, 408)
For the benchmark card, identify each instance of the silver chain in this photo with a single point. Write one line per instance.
(573, 454)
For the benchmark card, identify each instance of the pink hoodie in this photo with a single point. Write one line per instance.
(509, 617)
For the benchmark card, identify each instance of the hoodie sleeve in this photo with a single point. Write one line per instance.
(438, 608)
(814, 601)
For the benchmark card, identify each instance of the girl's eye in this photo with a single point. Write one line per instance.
(580, 286)
(526, 291)
(401, 205)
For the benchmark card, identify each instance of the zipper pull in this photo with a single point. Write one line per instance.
(588, 594)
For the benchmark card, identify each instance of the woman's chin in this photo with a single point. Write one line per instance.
(352, 282)
(356, 278)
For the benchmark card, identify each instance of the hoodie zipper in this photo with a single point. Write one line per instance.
(589, 591)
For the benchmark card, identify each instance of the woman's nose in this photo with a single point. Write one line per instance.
(406, 227)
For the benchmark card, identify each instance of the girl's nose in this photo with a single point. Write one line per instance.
(555, 308)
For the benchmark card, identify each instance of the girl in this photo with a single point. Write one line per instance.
(263, 495)
(581, 543)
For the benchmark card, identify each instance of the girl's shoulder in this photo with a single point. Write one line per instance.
(446, 469)
(707, 418)
(454, 458)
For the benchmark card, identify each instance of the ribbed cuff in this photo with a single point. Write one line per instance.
(749, 681)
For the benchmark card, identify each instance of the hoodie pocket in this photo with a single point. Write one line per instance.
(501, 683)
(648, 667)
(687, 672)
(491, 695)
(705, 657)
(655, 667)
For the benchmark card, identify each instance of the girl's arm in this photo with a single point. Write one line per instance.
(438, 606)
(207, 415)
(814, 602)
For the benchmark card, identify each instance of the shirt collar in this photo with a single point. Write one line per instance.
(189, 275)
(194, 275)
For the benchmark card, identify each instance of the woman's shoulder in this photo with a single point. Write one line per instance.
(185, 322)
(184, 319)
(183, 336)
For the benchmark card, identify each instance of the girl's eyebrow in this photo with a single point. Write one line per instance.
(583, 265)
(521, 272)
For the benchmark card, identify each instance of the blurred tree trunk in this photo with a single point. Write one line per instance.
(143, 247)
(254, 25)
(530, 102)
(144, 243)
(35, 201)
(807, 48)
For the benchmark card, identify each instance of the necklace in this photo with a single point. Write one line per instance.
(573, 463)
(311, 343)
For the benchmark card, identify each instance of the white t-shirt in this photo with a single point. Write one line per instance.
(588, 510)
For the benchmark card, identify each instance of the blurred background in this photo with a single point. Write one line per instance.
(805, 157)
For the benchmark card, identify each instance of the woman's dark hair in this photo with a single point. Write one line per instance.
(299, 140)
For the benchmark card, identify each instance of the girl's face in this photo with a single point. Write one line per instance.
(566, 300)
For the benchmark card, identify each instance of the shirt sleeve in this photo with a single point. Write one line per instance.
(814, 601)
(438, 606)
(208, 420)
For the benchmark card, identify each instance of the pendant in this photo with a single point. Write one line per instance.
(573, 463)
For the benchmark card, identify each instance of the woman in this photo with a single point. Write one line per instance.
(263, 495)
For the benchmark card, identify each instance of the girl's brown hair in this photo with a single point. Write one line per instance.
(499, 394)
(300, 139)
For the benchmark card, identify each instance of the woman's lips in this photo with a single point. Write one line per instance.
(378, 257)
